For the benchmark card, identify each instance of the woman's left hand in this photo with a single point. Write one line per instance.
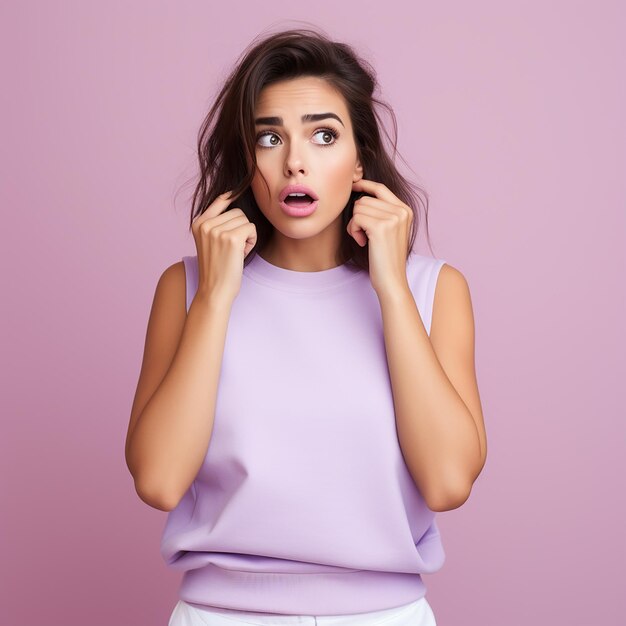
(385, 222)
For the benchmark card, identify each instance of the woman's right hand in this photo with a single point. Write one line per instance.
(223, 240)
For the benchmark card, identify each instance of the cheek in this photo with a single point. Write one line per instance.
(340, 169)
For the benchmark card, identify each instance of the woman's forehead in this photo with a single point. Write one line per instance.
(295, 95)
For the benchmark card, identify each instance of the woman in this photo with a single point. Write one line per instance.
(307, 399)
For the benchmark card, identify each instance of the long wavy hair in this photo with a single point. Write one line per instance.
(227, 140)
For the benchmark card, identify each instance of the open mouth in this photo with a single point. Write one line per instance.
(298, 200)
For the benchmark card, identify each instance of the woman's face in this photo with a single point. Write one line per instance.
(294, 151)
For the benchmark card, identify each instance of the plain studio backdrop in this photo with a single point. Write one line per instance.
(511, 116)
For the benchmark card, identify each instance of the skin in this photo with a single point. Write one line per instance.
(297, 153)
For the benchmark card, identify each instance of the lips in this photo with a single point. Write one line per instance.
(297, 189)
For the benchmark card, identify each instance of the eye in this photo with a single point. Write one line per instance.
(273, 137)
(328, 131)
(269, 134)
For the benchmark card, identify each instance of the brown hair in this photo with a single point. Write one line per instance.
(227, 142)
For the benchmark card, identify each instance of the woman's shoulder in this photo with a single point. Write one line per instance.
(420, 265)
(173, 275)
(172, 287)
(444, 276)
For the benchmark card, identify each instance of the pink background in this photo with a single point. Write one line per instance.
(512, 116)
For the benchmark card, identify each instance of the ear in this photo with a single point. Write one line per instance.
(358, 172)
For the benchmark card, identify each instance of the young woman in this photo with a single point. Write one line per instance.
(307, 400)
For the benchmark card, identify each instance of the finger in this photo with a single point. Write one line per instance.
(216, 207)
(402, 209)
(357, 228)
(377, 189)
(376, 203)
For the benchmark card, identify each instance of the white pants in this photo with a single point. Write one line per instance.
(417, 613)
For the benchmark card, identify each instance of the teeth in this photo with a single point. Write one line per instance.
(297, 194)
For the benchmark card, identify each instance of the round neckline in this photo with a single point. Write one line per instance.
(294, 280)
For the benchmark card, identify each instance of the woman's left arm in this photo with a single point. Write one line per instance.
(437, 404)
(438, 414)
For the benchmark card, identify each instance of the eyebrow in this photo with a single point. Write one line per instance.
(309, 117)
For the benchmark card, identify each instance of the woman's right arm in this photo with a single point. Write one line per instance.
(172, 416)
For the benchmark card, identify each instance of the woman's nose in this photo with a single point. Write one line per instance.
(294, 162)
